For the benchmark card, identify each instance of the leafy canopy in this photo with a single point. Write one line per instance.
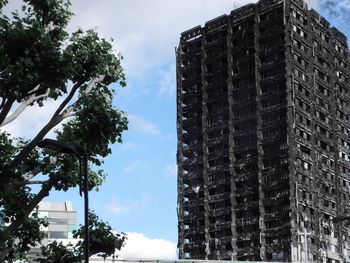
(42, 61)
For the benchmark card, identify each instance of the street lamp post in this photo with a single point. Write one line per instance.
(86, 207)
(67, 148)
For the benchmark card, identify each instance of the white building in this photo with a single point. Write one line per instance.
(62, 221)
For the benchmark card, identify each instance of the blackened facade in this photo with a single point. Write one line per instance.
(263, 136)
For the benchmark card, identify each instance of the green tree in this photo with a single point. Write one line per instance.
(56, 252)
(41, 61)
(103, 241)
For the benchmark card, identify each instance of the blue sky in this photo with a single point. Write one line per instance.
(139, 195)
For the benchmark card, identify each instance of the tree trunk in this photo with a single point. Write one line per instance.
(30, 207)
(5, 110)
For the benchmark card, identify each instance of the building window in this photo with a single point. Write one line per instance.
(58, 235)
(58, 221)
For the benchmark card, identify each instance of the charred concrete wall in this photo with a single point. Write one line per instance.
(263, 146)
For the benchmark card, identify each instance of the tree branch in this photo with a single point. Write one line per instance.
(6, 109)
(90, 86)
(69, 109)
(69, 97)
(6, 106)
(2, 102)
(30, 175)
(67, 112)
(3, 97)
(93, 82)
(26, 150)
(36, 182)
(30, 207)
(33, 91)
(23, 106)
(55, 119)
(67, 115)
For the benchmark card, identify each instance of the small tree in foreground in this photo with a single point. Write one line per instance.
(103, 241)
(56, 252)
(40, 62)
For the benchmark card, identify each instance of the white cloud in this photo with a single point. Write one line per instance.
(146, 32)
(132, 92)
(138, 246)
(143, 126)
(116, 208)
(167, 81)
(338, 9)
(122, 207)
(133, 166)
(33, 119)
(129, 146)
(171, 170)
(312, 3)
